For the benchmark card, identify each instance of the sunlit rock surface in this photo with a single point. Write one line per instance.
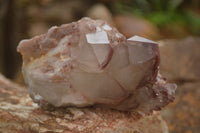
(88, 63)
(18, 114)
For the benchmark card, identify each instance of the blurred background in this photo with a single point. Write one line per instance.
(175, 24)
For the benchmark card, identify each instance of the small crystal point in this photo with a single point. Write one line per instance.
(141, 39)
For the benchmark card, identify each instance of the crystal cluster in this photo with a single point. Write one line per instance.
(88, 62)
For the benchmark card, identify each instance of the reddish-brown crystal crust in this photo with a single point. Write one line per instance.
(90, 63)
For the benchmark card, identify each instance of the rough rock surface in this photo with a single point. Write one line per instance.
(130, 25)
(180, 63)
(88, 63)
(18, 114)
(180, 59)
(183, 115)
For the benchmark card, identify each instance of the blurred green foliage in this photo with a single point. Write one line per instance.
(163, 13)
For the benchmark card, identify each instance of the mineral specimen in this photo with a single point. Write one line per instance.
(89, 63)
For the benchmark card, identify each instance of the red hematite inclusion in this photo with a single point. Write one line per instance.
(88, 63)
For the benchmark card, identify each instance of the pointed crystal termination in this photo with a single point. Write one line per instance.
(89, 63)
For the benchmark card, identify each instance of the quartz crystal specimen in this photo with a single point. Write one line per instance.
(88, 62)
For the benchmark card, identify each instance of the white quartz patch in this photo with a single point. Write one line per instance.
(38, 97)
(117, 35)
(107, 27)
(97, 38)
(24, 41)
(141, 39)
(98, 29)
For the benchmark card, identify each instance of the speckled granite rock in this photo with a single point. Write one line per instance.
(88, 63)
(18, 114)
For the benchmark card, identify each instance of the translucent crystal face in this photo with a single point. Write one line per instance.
(100, 46)
(95, 51)
(91, 63)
